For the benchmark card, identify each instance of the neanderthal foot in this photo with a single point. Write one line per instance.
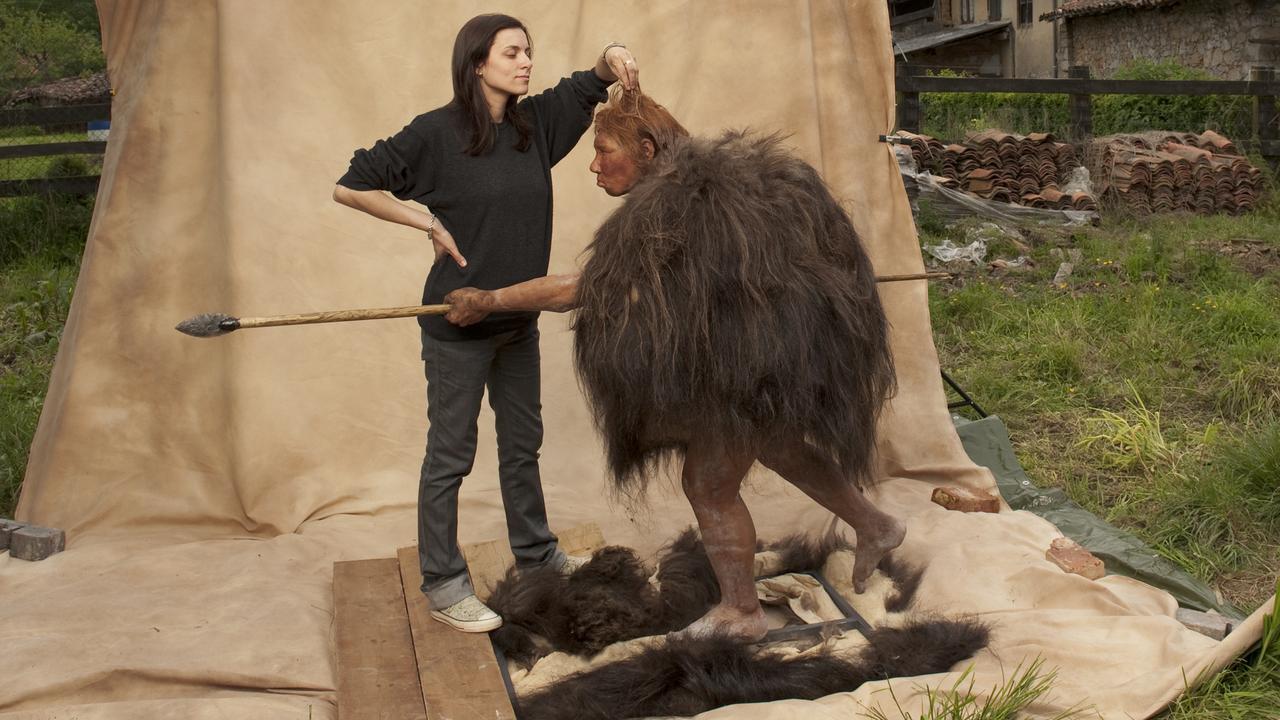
(873, 544)
(728, 622)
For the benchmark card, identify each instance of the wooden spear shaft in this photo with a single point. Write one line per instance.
(213, 325)
(416, 310)
(343, 316)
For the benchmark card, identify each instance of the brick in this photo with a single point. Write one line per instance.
(36, 543)
(1208, 624)
(1072, 558)
(6, 530)
(966, 499)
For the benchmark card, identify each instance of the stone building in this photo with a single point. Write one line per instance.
(1224, 37)
(996, 38)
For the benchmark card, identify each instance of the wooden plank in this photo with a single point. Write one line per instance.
(80, 147)
(54, 115)
(79, 185)
(918, 83)
(460, 676)
(377, 668)
(903, 19)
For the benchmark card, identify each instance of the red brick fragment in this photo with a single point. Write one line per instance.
(966, 499)
(1072, 558)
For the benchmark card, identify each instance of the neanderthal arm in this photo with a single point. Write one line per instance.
(556, 293)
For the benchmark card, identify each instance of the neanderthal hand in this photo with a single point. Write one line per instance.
(443, 244)
(619, 61)
(470, 306)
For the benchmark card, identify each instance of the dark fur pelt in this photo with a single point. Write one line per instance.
(610, 598)
(906, 581)
(801, 552)
(607, 600)
(688, 677)
(730, 297)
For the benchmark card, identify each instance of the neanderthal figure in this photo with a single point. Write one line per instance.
(727, 314)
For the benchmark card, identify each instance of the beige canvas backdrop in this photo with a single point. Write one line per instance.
(207, 486)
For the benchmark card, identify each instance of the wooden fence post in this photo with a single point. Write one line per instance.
(1264, 114)
(1081, 107)
(909, 108)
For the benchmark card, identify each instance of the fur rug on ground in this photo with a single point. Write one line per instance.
(592, 645)
(687, 677)
(616, 597)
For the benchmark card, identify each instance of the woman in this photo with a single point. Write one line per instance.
(480, 167)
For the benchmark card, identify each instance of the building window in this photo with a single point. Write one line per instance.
(911, 10)
(993, 9)
(966, 11)
(1024, 12)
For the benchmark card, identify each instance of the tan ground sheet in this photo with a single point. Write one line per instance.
(207, 486)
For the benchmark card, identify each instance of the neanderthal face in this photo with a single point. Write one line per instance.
(615, 168)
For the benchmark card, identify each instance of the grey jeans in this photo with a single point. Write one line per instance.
(458, 373)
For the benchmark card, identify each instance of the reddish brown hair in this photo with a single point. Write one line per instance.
(631, 117)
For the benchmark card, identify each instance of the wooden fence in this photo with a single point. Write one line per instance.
(73, 115)
(1262, 86)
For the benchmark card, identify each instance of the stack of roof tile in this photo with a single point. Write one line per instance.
(1165, 172)
(924, 149)
(1024, 170)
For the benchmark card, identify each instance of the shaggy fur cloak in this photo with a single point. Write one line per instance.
(729, 297)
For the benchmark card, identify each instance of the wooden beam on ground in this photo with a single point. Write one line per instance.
(458, 671)
(377, 669)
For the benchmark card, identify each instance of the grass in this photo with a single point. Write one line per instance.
(41, 240)
(1246, 689)
(1004, 702)
(1147, 387)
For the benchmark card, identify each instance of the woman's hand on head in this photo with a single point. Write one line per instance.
(469, 306)
(443, 244)
(622, 64)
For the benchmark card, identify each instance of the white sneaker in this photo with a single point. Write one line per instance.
(572, 563)
(469, 615)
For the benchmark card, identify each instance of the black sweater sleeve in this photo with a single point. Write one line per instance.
(564, 112)
(401, 165)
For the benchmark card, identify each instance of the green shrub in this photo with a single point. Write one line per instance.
(68, 166)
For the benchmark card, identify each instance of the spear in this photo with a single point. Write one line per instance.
(216, 324)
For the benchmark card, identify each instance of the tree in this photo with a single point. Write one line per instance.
(36, 47)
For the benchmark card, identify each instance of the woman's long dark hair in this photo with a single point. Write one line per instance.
(470, 49)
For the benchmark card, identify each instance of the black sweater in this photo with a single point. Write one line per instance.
(497, 206)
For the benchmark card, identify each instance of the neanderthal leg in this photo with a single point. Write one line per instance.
(711, 479)
(820, 478)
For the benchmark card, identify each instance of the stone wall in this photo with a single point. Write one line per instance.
(1221, 36)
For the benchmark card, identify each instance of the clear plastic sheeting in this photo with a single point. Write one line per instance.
(1079, 181)
(955, 204)
(948, 251)
(952, 204)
